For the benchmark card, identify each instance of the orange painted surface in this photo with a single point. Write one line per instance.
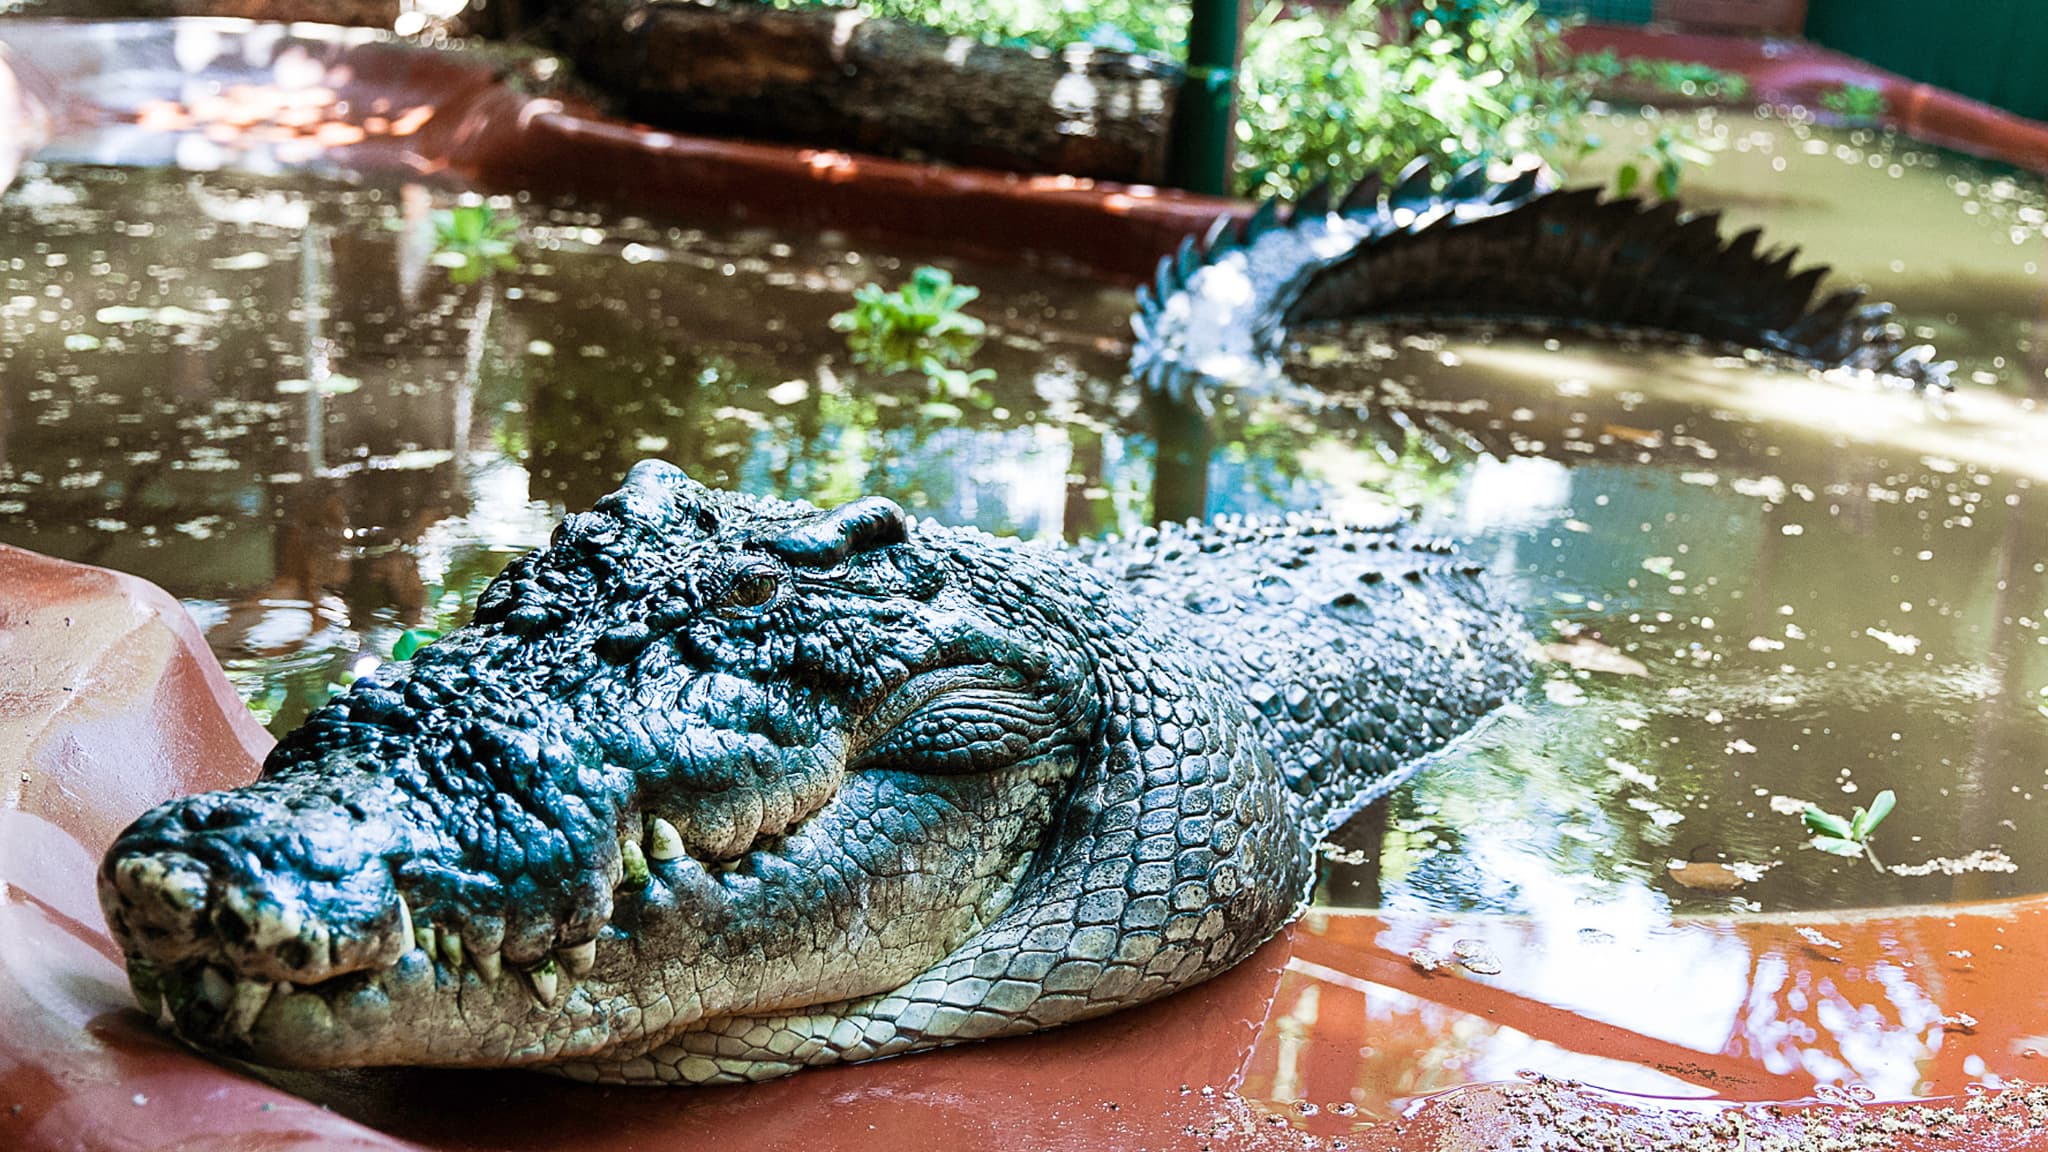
(110, 702)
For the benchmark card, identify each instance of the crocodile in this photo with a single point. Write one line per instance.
(717, 786)
(1461, 249)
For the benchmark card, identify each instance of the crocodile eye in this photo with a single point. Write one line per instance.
(750, 590)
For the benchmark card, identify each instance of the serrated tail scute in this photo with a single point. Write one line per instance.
(1575, 260)
(1518, 251)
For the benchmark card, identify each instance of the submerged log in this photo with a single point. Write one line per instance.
(833, 78)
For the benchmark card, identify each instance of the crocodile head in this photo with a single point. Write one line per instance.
(705, 756)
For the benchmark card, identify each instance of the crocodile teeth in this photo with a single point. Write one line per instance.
(578, 958)
(663, 841)
(429, 939)
(546, 982)
(214, 988)
(404, 919)
(451, 949)
(148, 993)
(489, 965)
(633, 862)
(164, 1018)
(250, 997)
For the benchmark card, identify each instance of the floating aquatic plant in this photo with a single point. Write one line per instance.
(920, 325)
(1851, 836)
(474, 240)
(1663, 162)
(411, 641)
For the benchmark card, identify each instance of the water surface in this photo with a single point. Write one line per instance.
(1758, 589)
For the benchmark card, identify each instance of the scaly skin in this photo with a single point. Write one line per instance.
(1220, 311)
(715, 788)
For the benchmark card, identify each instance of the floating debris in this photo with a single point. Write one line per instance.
(1590, 655)
(1715, 876)
(1477, 957)
(1903, 645)
(1982, 860)
(1814, 937)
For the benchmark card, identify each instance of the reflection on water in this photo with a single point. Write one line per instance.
(1757, 589)
(1890, 1007)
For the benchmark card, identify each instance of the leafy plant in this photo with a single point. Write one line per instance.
(1684, 78)
(1360, 89)
(1663, 161)
(919, 325)
(1332, 93)
(1670, 77)
(1155, 26)
(474, 240)
(1850, 837)
(411, 641)
(1856, 103)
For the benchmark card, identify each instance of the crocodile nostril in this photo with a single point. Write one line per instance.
(162, 897)
(294, 955)
(231, 925)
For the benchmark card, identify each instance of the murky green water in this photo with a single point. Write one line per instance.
(1761, 589)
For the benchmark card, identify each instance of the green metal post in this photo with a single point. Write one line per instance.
(1200, 148)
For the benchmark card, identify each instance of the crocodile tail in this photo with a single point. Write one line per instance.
(1479, 251)
(1576, 260)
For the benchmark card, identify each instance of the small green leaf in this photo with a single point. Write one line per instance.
(1880, 807)
(1838, 846)
(1827, 823)
(411, 641)
(1667, 181)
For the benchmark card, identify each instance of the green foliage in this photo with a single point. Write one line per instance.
(1663, 160)
(920, 325)
(411, 641)
(1856, 103)
(1670, 77)
(1341, 93)
(474, 240)
(1332, 93)
(1850, 837)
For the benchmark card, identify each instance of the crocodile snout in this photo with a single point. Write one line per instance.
(215, 903)
(171, 908)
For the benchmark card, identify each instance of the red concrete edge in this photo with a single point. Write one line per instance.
(1112, 230)
(1794, 71)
